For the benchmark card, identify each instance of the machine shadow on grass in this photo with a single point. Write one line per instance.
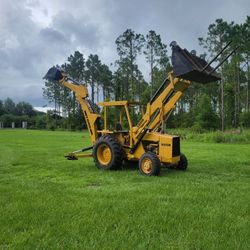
(134, 166)
(129, 166)
(165, 172)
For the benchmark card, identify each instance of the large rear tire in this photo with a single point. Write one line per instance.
(149, 164)
(107, 153)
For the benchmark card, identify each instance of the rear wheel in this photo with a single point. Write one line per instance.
(149, 164)
(183, 163)
(107, 153)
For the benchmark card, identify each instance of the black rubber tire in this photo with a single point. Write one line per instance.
(116, 152)
(156, 164)
(183, 163)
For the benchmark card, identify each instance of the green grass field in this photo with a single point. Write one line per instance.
(48, 202)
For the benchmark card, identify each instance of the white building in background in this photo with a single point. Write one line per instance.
(43, 109)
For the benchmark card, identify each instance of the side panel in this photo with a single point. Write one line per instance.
(169, 149)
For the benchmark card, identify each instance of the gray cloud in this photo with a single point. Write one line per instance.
(77, 29)
(36, 34)
(51, 35)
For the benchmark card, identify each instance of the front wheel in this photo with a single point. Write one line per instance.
(149, 164)
(183, 163)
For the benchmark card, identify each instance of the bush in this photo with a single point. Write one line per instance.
(217, 136)
(40, 122)
(196, 128)
(206, 117)
(7, 119)
(245, 119)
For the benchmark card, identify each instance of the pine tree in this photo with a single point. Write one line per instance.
(218, 36)
(93, 70)
(156, 54)
(75, 67)
(129, 45)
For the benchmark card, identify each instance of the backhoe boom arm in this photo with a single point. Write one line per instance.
(81, 93)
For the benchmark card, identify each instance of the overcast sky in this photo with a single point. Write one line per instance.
(36, 34)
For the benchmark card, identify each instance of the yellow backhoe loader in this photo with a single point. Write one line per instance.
(144, 142)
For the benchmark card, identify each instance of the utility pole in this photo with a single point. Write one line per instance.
(222, 103)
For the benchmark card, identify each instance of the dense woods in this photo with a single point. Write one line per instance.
(219, 105)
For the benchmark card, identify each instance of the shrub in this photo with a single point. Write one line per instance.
(206, 117)
(40, 122)
(196, 128)
(245, 119)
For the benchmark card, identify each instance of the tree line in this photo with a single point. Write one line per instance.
(21, 112)
(220, 105)
(125, 83)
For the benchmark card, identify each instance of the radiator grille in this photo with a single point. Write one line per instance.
(176, 147)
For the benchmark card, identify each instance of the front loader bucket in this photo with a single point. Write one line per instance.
(53, 74)
(191, 67)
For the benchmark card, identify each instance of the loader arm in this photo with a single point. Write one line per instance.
(187, 67)
(81, 93)
(162, 103)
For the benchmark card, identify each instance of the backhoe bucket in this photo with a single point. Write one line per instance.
(191, 67)
(53, 74)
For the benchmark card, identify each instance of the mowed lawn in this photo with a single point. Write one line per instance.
(48, 202)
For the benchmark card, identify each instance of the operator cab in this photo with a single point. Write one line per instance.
(118, 118)
(126, 112)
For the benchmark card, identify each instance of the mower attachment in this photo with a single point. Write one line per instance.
(53, 74)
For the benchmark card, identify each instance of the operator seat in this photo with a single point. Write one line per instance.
(118, 126)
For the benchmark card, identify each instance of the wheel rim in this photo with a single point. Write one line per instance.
(146, 166)
(104, 154)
